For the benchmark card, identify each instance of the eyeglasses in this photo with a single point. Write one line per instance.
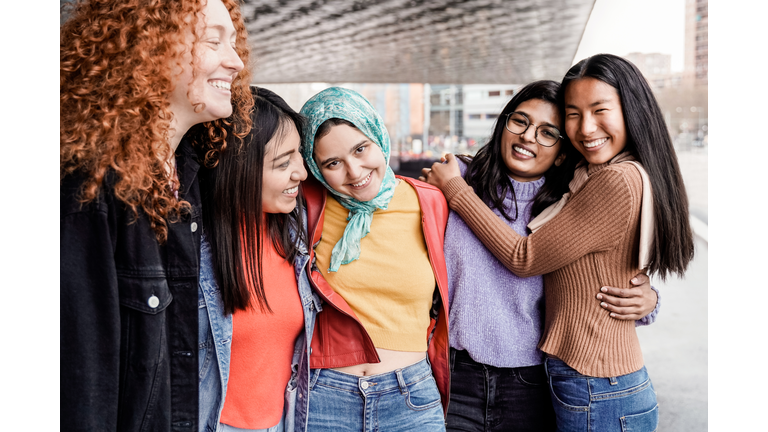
(546, 135)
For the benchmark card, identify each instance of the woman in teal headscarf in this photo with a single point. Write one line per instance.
(378, 245)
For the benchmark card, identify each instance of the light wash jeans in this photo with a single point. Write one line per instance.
(405, 399)
(227, 428)
(626, 403)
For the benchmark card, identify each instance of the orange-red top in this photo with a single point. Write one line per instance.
(262, 348)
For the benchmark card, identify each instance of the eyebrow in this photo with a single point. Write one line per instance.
(528, 116)
(220, 28)
(601, 101)
(288, 153)
(354, 147)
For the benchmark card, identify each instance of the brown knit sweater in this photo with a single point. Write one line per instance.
(591, 243)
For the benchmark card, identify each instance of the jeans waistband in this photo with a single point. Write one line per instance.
(398, 378)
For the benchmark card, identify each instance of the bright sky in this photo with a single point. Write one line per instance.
(621, 27)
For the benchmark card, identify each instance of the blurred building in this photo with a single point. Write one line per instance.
(696, 42)
(657, 69)
(482, 105)
(446, 119)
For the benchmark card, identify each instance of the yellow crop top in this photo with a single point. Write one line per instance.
(390, 286)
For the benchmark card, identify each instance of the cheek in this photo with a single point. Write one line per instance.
(332, 178)
(546, 161)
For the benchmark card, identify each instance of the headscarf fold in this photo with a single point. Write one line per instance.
(580, 177)
(337, 102)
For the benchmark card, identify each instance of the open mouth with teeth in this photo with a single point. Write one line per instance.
(363, 182)
(522, 151)
(292, 190)
(594, 143)
(221, 85)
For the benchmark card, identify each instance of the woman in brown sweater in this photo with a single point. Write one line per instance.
(595, 365)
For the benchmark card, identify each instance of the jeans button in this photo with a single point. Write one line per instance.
(153, 302)
(364, 385)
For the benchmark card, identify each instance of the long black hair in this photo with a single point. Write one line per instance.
(649, 142)
(232, 211)
(488, 175)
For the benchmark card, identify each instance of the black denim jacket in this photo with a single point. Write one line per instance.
(129, 312)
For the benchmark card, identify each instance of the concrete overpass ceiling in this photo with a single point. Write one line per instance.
(386, 41)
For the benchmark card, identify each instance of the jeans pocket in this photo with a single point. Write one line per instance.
(423, 395)
(644, 422)
(570, 392)
(532, 376)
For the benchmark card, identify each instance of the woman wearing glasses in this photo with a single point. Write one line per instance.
(498, 381)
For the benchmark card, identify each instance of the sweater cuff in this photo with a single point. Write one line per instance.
(651, 317)
(453, 187)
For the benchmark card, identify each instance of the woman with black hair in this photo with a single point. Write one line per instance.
(257, 310)
(626, 210)
(498, 381)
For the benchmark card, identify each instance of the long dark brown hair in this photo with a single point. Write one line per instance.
(649, 142)
(488, 175)
(232, 211)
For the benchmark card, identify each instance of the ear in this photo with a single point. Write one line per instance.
(560, 159)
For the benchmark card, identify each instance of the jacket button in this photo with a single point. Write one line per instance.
(193, 226)
(153, 302)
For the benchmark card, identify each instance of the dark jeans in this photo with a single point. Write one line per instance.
(487, 398)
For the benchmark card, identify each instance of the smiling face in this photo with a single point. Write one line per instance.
(351, 163)
(283, 170)
(594, 121)
(216, 67)
(525, 159)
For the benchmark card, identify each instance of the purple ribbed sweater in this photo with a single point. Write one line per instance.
(494, 315)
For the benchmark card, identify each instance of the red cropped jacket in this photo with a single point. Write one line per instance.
(339, 338)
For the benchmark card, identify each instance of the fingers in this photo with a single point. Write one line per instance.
(622, 303)
(621, 292)
(620, 308)
(424, 174)
(640, 279)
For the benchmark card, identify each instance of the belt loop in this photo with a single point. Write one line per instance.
(613, 381)
(401, 381)
(313, 375)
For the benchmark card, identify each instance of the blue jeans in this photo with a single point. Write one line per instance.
(405, 399)
(276, 428)
(626, 403)
(485, 398)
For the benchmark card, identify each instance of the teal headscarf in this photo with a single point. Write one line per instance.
(337, 102)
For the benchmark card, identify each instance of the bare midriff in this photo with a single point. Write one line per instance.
(390, 360)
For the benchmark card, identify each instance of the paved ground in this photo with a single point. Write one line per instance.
(675, 347)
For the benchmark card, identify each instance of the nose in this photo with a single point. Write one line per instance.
(354, 170)
(587, 126)
(530, 134)
(231, 60)
(300, 173)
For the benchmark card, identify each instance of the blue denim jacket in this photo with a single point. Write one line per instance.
(215, 336)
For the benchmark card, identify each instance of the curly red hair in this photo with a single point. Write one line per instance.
(116, 77)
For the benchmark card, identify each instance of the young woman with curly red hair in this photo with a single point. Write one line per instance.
(135, 76)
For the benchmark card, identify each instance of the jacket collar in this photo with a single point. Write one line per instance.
(186, 165)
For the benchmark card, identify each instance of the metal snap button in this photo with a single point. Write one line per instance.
(153, 302)
(193, 226)
(364, 385)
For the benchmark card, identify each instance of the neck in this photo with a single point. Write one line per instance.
(177, 132)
